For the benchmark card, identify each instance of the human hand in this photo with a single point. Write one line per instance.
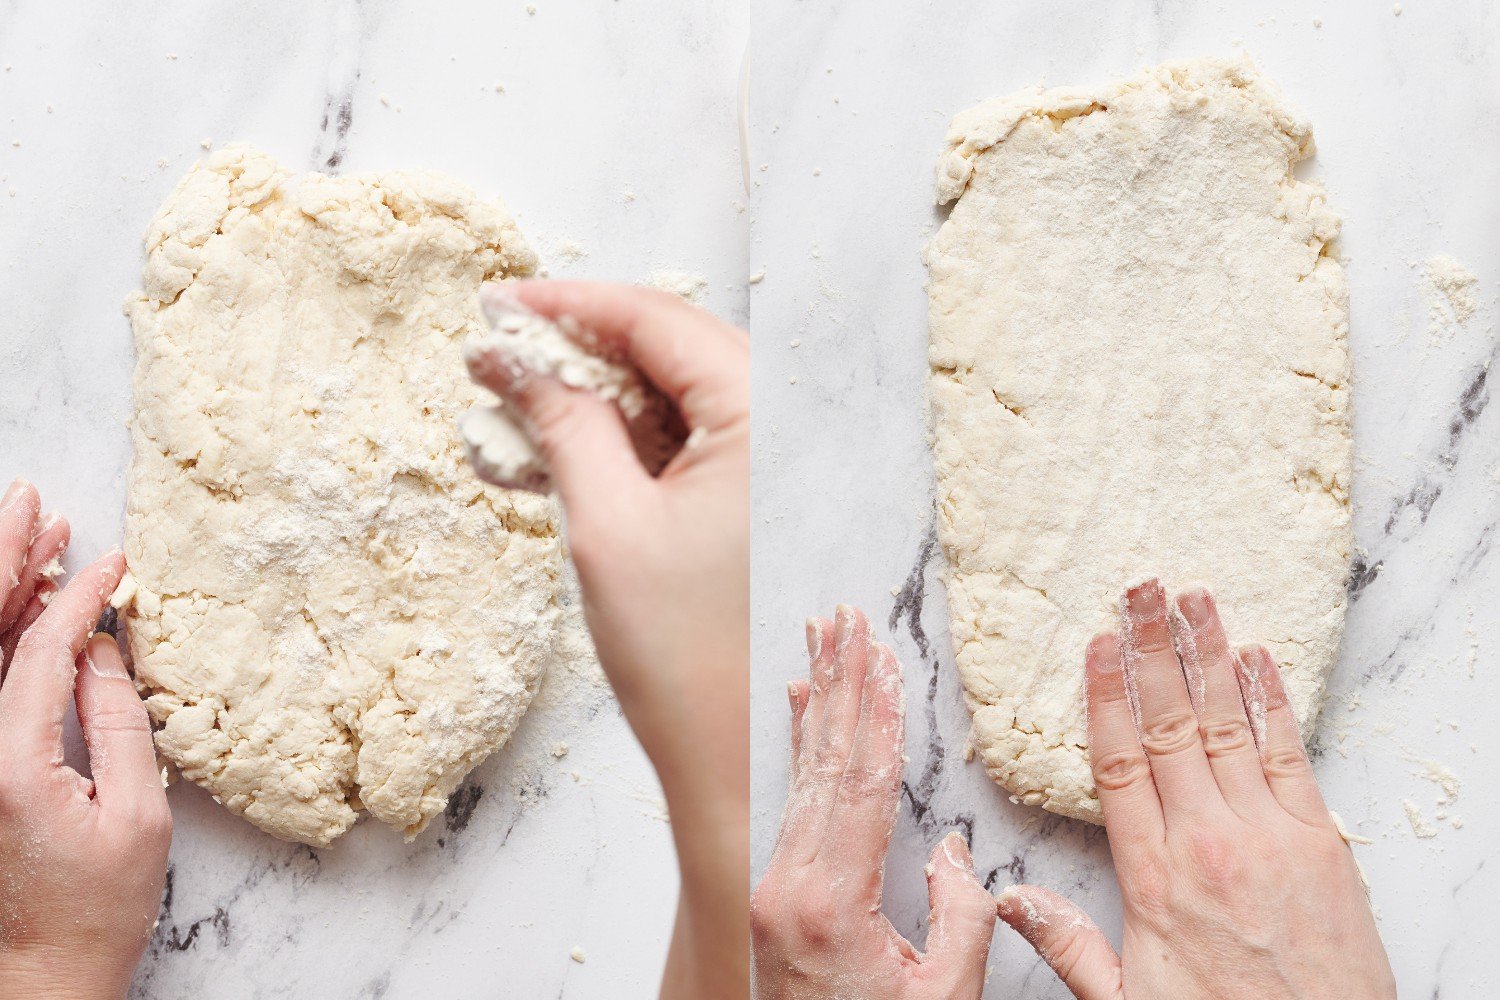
(30, 545)
(1236, 881)
(82, 860)
(815, 916)
(663, 563)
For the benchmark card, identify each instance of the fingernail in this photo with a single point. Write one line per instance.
(791, 694)
(12, 492)
(957, 850)
(110, 667)
(1103, 654)
(1144, 601)
(1197, 606)
(814, 638)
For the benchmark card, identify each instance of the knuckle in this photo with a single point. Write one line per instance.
(1286, 762)
(1148, 886)
(1116, 771)
(1216, 862)
(1225, 736)
(784, 915)
(1066, 952)
(1170, 734)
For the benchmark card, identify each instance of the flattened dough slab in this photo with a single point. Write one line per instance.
(331, 614)
(1139, 366)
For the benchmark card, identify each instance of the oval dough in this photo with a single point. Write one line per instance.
(1139, 366)
(331, 613)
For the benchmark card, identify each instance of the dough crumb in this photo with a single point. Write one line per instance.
(577, 955)
(560, 751)
(683, 284)
(1419, 826)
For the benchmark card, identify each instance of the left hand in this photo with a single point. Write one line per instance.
(815, 917)
(82, 860)
(29, 542)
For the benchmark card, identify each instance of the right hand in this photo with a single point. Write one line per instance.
(815, 917)
(1236, 881)
(663, 562)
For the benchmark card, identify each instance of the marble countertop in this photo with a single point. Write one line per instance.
(851, 103)
(615, 143)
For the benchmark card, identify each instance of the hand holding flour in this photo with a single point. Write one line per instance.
(816, 915)
(1236, 880)
(664, 566)
(82, 860)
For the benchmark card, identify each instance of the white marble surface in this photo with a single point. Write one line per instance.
(615, 133)
(851, 102)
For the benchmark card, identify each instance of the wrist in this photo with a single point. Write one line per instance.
(40, 972)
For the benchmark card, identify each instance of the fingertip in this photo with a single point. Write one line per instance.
(1103, 653)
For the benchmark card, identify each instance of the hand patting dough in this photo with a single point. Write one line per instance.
(1139, 365)
(331, 613)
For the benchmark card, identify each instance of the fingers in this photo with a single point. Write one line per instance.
(45, 591)
(809, 799)
(1168, 725)
(864, 811)
(1208, 663)
(695, 359)
(963, 920)
(48, 544)
(1287, 769)
(1066, 939)
(1122, 775)
(115, 728)
(39, 684)
(582, 438)
(796, 693)
(18, 512)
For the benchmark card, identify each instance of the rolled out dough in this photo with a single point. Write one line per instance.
(1139, 366)
(331, 613)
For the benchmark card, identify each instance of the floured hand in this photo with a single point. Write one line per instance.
(82, 860)
(31, 545)
(1235, 878)
(816, 918)
(663, 561)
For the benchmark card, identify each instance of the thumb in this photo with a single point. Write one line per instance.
(963, 920)
(1066, 939)
(582, 439)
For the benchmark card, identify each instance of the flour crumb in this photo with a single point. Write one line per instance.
(1448, 287)
(577, 955)
(560, 751)
(758, 277)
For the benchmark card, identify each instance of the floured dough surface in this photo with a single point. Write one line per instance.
(331, 614)
(1139, 366)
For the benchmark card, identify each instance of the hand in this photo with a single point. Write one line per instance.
(30, 544)
(1236, 881)
(664, 567)
(82, 860)
(815, 916)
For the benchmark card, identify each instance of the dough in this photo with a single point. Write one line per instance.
(499, 447)
(1139, 366)
(330, 613)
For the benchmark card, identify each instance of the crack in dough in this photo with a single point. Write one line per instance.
(1136, 274)
(329, 613)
